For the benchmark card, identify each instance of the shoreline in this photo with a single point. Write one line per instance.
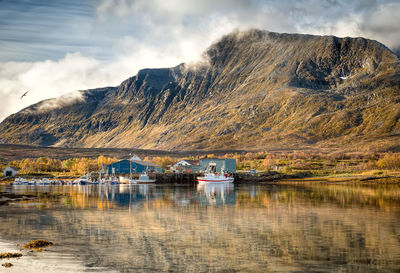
(240, 178)
(361, 180)
(6, 198)
(48, 260)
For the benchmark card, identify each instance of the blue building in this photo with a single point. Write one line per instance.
(137, 166)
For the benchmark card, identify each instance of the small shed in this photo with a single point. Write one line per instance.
(186, 162)
(10, 171)
(226, 164)
(136, 166)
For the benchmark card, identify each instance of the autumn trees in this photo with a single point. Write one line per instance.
(71, 165)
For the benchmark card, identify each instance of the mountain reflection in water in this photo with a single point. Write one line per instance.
(217, 228)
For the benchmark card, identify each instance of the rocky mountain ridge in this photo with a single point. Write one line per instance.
(254, 90)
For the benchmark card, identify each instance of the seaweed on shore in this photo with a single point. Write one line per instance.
(38, 244)
(7, 264)
(8, 255)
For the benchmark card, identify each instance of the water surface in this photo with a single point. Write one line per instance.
(213, 228)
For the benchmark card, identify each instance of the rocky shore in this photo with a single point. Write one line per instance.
(6, 198)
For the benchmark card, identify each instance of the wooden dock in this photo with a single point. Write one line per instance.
(190, 178)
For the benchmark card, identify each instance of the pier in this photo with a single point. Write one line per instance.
(190, 178)
(240, 177)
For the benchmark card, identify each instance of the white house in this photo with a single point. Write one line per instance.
(185, 162)
(10, 171)
(186, 166)
(135, 158)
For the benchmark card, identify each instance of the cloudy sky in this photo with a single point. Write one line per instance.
(53, 47)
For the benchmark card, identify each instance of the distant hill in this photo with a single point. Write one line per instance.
(10, 152)
(254, 90)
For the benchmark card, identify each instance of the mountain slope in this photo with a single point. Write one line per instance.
(255, 90)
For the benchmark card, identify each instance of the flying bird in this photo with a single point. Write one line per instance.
(24, 94)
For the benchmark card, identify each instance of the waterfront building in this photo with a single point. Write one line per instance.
(194, 166)
(10, 171)
(226, 164)
(186, 166)
(134, 166)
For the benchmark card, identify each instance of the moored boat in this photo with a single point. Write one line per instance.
(123, 180)
(143, 179)
(212, 176)
(43, 182)
(83, 180)
(215, 178)
(21, 181)
(109, 180)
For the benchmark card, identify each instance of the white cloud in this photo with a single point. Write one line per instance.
(172, 21)
(381, 24)
(49, 79)
(63, 100)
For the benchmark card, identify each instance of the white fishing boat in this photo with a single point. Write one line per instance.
(143, 179)
(211, 176)
(215, 178)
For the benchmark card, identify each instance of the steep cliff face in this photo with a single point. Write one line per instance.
(255, 89)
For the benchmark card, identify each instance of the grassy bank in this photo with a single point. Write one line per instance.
(277, 165)
(321, 165)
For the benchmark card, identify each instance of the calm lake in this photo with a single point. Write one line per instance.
(292, 227)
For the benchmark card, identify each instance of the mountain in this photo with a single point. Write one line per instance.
(254, 90)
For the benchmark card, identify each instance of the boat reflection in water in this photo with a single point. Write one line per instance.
(126, 194)
(216, 193)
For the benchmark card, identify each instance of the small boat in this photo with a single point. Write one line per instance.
(109, 180)
(34, 181)
(83, 180)
(215, 178)
(55, 182)
(124, 180)
(44, 182)
(143, 179)
(21, 181)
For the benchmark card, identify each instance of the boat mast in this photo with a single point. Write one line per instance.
(130, 165)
